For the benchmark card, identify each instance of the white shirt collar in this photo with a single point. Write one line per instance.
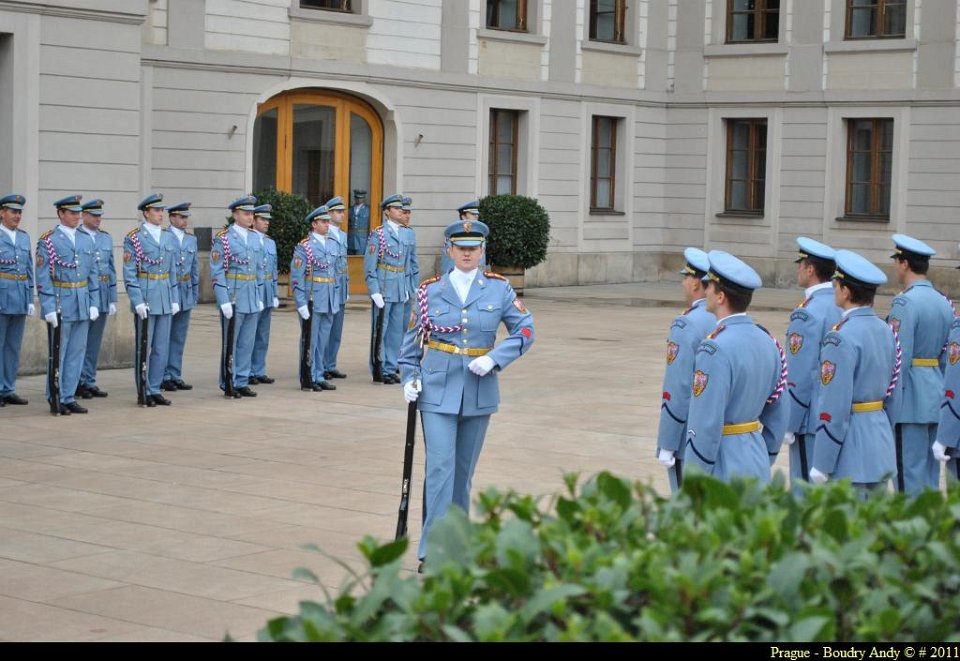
(242, 231)
(735, 314)
(808, 292)
(11, 233)
(320, 237)
(71, 233)
(154, 230)
(394, 225)
(846, 312)
(462, 282)
(697, 302)
(87, 230)
(177, 233)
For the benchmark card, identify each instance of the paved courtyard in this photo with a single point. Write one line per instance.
(185, 523)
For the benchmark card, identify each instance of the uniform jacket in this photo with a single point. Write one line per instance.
(921, 315)
(686, 333)
(149, 270)
(270, 273)
(16, 274)
(857, 360)
(359, 220)
(106, 269)
(448, 386)
(949, 431)
(343, 275)
(313, 274)
(188, 270)
(390, 263)
(236, 269)
(71, 283)
(736, 372)
(808, 324)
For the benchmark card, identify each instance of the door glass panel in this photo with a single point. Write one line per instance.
(265, 151)
(361, 166)
(314, 129)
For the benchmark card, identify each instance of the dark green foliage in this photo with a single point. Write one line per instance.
(288, 226)
(612, 560)
(519, 230)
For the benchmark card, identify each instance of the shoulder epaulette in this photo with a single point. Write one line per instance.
(20, 231)
(688, 310)
(305, 240)
(429, 281)
(223, 231)
(132, 233)
(716, 331)
(837, 326)
(806, 302)
(495, 276)
(46, 235)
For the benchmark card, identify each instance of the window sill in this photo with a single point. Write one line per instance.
(863, 219)
(606, 212)
(508, 35)
(740, 49)
(333, 17)
(606, 47)
(870, 45)
(755, 215)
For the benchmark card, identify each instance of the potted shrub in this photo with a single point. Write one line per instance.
(519, 232)
(287, 228)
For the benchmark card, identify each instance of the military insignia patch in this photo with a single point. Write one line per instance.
(827, 370)
(796, 342)
(371, 248)
(895, 324)
(672, 350)
(699, 382)
(39, 259)
(517, 303)
(954, 353)
(127, 256)
(215, 257)
(297, 262)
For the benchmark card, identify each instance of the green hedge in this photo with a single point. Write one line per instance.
(289, 223)
(614, 561)
(519, 230)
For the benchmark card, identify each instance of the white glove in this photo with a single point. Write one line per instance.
(175, 308)
(142, 310)
(411, 390)
(51, 318)
(304, 312)
(817, 477)
(940, 452)
(112, 310)
(227, 310)
(276, 302)
(94, 313)
(377, 299)
(30, 309)
(260, 305)
(481, 366)
(666, 458)
(789, 438)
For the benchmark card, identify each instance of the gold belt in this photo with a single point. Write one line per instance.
(925, 362)
(13, 276)
(451, 348)
(395, 269)
(241, 276)
(104, 278)
(867, 407)
(153, 276)
(69, 285)
(184, 278)
(741, 428)
(320, 279)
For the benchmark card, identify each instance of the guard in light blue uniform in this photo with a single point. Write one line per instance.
(188, 290)
(450, 364)
(468, 211)
(16, 293)
(686, 333)
(262, 215)
(313, 276)
(236, 269)
(921, 316)
(336, 209)
(390, 269)
(359, 223)
(150, 276)
(737, 415)
(67, 281)
(858, 365)
(947, 446)
(107, 301)
(809, 322)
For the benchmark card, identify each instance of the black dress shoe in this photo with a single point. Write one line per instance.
(391, 379)
(150, 403)
(168, 386)
(181, 385)
(335, 374)
(96, 392)
(264, 379)
(63, 410)
(420, 566)
(15, 399)
(245, 392)
(73, 407)
(82, 393)
(325, 385)
(253, 380)
(161, 400)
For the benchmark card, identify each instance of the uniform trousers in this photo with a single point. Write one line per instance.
(917, 468)
(333, 345)
(261, 342)
(796, 465)
(73, 345)
(244, 334)
(179, 325)
(319, 336)
(88, 375)
(395, 316)
(158, 349)
(11, 337)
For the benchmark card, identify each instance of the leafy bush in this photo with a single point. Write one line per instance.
(288, 226)
(615, 561)
(519, 230)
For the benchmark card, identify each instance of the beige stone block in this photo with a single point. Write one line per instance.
(870, 71)
(609, 69)
(327, 41)
(501, 59)
(746, 73)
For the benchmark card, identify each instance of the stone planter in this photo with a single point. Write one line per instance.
(514, 274)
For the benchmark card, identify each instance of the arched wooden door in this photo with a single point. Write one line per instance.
(320, 143)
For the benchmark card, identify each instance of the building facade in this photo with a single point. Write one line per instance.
(642, 127)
